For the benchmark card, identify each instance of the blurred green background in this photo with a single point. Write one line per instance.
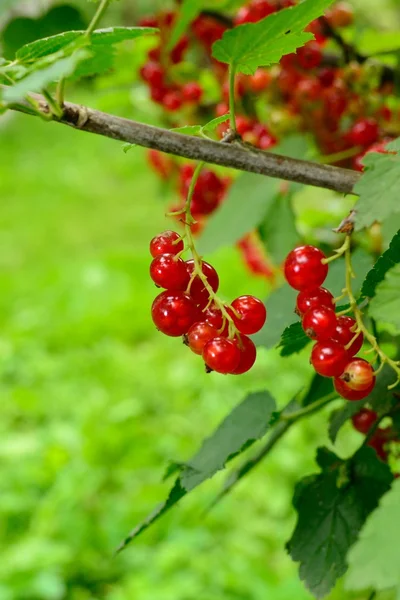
(95, 402)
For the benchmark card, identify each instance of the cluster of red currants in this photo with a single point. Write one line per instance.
(363, 422)
(218, 333)
(338, 339)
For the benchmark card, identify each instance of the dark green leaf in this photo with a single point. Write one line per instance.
(319, 388)
(385, 306)
(332, 508)
(278, 229)
(378, 187)
(264, 43)
(381, 267)
(212, 125)
(293, 340)
(281, 305)
(374, 560)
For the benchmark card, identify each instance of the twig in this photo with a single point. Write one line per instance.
(232, 155)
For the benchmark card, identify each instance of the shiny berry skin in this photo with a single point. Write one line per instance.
(329, 358)
(166, 243)
(364, 420)
(304, 269)
(214, 317)
(248, 355)
(344, 335)
(153, 73)
(169, 272)
(249, 314)
(199, 334)
(319, 323)
(192, 92)
(174, 313)
(359, 375)
(310, 55)
(172, 101)
(197, 291)
(343, 390)
(221, 355)
(314, 298)
(364, 132)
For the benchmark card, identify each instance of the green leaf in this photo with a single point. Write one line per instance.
(372, 42)
(246, 205)
(332, 508)
(374, 561)
(378, 187)
(188, 129)
(293, 340)
(201, 129)
(248, 422)
(39, 79)
(385, 306)
(281, 304)
(212, 125)
(254, 45)
(112, 35)
(278, 229)
(380, 399)
(385, 262)
(189, 10)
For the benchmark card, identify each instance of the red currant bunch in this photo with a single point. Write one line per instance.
(337, 338)
(187, 307)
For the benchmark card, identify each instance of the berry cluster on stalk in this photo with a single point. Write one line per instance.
(190, 308)
(338, 338)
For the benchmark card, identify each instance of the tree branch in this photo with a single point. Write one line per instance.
(235, 155)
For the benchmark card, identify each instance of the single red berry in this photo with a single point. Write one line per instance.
(172, 101)
(310, 55)
(314, 298)
(221, 109)
(158, 93)
(319, 323)
(192, 92)
(199, 334)
(259, 81)
(174, 313)
(379, 441)
(198, 292)
(307, 90)
(340, 15)
(221, 355)
(169, 272)
(249, 314)
(161, 163)
(248, 355)
(177, 53)
(326, 76)
(364, 420)
(167, 242)
(304, 268)
(358, 374)
(329, 358)
(344, 333)
(343, 390)
(153, 73)
(364, 132)
(214, 317)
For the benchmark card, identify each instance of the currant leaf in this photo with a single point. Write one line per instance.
(385, 262)
(293, 340)
(385, 306)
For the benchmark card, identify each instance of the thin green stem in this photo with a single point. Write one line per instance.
(60, 92)
(338, 156)
(232, 116)
(372, 596)
(338, 253)
(307, 410)
(104, 4)
(55, 108)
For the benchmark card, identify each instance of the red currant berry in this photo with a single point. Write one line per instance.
(314, 298)
(319, 323)
(168, 242)
(198, 292)
(304, 268)
(364, 420)
(214, 317)
(329, 358)
(359, 375)
(199, 334)
(161, 163)
(310, 55)
(174, 313)
(153, 73)
(248, 355)
(379, 440)
(327, 76)
(259, 81)
(179, 50)
(343, 390)
(344, 333)
(364, 132)
(172, 101)
(192, 92)
(169, 272)
(221, 355)
(340, 15)
(249, 314)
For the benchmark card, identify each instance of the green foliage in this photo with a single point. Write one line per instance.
(280, 304)
(378, 202)
(385, 262)
(332, 508)
(247, 422)
(278, 229)
(201, 129)
(374, 560)
(293, 340)
(264, 43)
(385, 306)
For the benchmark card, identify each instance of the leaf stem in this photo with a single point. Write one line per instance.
(311, 408)
(104, 4)
(55, 108)
(359, 319)
(338, 253)
(232, 114)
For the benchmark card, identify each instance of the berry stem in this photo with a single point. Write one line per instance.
(311, 408)
(197, 260)
(359, 318)
(339, 252)
(232, 114)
